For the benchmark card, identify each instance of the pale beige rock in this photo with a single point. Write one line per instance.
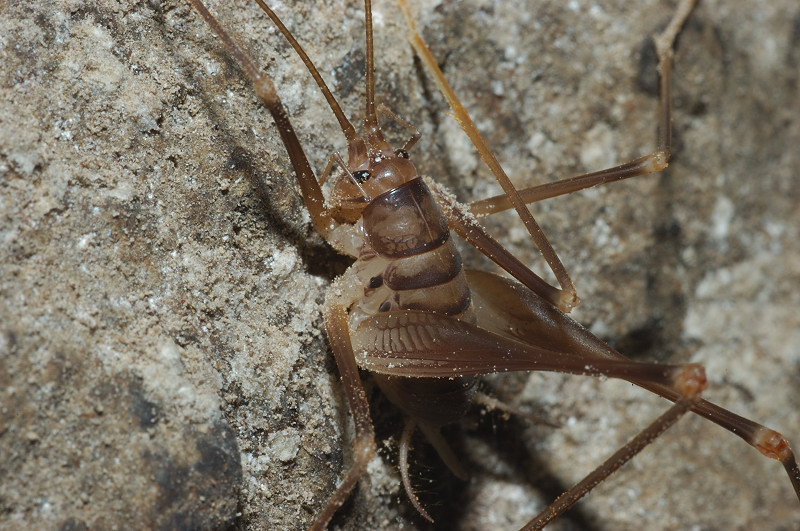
(162, 361)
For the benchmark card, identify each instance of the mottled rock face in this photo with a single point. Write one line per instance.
(162, 360)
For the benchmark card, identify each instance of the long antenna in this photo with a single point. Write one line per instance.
(355, 145)
(375, 139)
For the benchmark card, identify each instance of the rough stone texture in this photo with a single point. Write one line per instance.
(162, 361)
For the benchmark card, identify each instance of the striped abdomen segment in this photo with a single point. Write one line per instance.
(406, 226)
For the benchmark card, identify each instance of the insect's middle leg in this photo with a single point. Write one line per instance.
(568, 298)
(653, 162)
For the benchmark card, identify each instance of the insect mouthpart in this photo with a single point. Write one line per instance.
(361, 176)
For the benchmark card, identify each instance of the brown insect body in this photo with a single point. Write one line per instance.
(407, 310)
(423, 272)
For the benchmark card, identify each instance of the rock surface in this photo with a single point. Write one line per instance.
(162, 359)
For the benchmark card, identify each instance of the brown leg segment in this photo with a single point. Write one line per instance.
(265, 90)
(364, 447)
(501, 304)
(653, 162)
(465, 225)
(569, 298)
(613, 463)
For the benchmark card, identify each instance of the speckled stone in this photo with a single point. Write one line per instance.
(162, 359)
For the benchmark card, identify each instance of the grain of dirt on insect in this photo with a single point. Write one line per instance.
(161, 285)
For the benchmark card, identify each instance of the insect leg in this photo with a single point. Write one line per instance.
(364, 447)
(465, 225)
(569, 299)
(265, 90)
(419, 344)
(613, 463)
(342, 293)
(653, 162)
(502, 304)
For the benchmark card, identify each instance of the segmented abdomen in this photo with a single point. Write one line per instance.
(406, 227)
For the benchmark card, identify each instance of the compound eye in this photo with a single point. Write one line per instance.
(402, 153)
(361, 176)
